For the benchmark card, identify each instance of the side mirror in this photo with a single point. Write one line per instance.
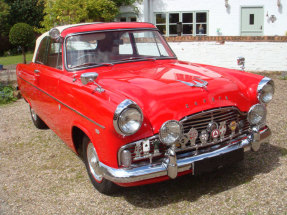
(89, 77)
(241, 62)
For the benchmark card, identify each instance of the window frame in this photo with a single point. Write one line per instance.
(194, 23)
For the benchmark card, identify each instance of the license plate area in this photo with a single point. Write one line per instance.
(211, 164)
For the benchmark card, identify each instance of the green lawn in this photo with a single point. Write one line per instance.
(15, 59)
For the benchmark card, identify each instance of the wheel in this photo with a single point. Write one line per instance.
(91, 160)
(38, 122)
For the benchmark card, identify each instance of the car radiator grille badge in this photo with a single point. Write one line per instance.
(233, 126)
(204, 136)
(192, 135)
(222, 129)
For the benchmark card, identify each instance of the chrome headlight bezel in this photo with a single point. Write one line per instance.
(257, 108)
(263, 84)
(122, 108)
(163, 127)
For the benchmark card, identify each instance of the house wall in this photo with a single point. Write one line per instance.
(227, 19)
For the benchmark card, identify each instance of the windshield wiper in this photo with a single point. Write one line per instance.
(137, 58)
(92, 64)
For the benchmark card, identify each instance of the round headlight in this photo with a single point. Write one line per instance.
(128, 118)
(265, 90)
(170, 132)
(257, 114)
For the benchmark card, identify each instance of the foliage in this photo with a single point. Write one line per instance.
(101, 10)
(27, 11)
(4, 14)
(21, 34)
(61, 12)
(7, 94)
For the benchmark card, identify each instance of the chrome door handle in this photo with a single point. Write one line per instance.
(36, 71)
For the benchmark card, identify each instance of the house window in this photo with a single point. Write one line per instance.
(251, 19)
(127, 19)
(160, 20)
(173, 19)
(193, 23)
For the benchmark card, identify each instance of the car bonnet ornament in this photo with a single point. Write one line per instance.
(199, 83)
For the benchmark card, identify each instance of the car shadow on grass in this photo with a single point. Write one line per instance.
(190, 188)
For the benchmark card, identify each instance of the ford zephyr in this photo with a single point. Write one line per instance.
(117, 95)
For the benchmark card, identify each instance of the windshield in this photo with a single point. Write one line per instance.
(111, 47)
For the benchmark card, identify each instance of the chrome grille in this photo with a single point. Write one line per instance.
(201, 120)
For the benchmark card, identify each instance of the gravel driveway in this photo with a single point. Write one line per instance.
(40, 175)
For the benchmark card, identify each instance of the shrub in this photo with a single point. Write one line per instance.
(21, 34)
(7, 94)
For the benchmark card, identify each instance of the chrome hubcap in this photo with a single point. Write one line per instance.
(34, 115)
(93, 161)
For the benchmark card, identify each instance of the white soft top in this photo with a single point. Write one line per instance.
(60, 28)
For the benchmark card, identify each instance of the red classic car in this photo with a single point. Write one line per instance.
(119, 97)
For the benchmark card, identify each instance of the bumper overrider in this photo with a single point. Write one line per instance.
(171, 165)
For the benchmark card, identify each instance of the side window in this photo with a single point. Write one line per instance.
(49, 53)
(148, 44)
(41, 53)
(54, 54)
(125, 47)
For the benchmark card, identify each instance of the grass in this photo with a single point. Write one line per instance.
(15, 59)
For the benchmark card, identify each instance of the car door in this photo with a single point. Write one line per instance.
(48, 72)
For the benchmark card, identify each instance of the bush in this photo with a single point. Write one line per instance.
(22, 34)
(7, 94)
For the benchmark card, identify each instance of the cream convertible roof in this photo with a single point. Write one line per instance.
(60, 28)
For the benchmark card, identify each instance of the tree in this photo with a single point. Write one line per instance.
(4, 13)
(61, 12)
(21, 34)
(101, 10)
(27, 11)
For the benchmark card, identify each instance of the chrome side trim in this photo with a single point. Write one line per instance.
(82, 115)
(168, 168)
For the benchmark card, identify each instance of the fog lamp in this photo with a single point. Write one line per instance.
(170, 132)
(126, 158)
(257, 114)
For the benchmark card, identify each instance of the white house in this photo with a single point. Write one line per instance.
(212, 17)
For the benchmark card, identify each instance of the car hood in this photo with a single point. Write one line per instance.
(158, 88)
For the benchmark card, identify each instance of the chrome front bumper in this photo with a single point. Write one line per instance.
(171, 166)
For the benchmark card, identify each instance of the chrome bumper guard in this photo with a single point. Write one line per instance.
(171, 166)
